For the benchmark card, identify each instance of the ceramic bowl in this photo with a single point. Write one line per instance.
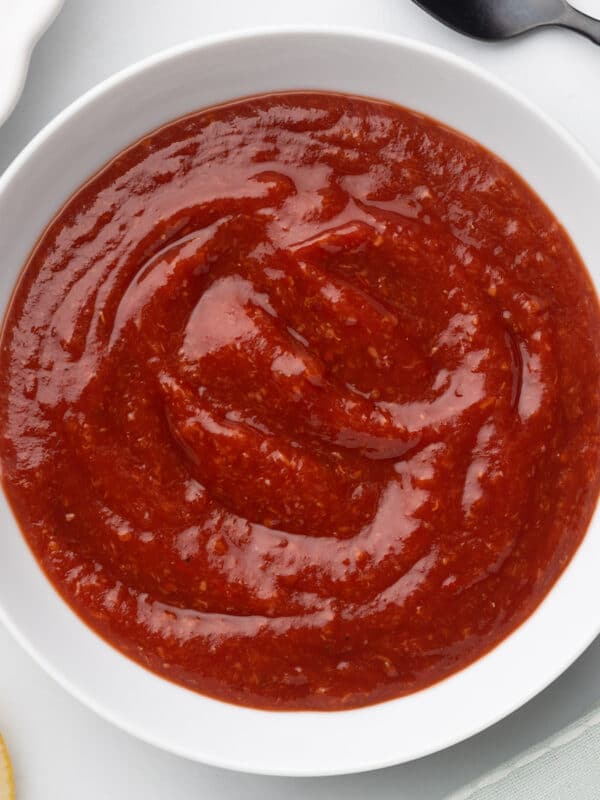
(73, 147)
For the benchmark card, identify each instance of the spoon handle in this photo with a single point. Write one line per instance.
(580, 22)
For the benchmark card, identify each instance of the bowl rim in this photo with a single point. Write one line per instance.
(11, 173)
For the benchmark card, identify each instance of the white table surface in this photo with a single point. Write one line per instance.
(61, 750)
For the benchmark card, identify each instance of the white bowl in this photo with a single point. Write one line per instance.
(23, 23)
(76, 144)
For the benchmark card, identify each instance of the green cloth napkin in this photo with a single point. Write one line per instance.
(564, 767)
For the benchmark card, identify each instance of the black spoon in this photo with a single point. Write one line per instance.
(502, 19)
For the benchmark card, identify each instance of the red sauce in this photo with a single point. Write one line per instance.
(299, 401)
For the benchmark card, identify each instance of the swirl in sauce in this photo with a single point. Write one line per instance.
(299, 401)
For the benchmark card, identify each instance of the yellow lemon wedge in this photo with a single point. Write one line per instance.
(7, 784)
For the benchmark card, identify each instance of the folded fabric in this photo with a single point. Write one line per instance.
(564, 767)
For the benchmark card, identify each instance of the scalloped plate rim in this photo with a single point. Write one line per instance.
(39, 16)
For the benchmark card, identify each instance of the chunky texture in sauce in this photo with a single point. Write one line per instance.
(299, 401)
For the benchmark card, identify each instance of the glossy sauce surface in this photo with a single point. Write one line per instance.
(299, 401)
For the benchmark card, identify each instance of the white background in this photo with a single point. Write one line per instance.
(62, 751)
